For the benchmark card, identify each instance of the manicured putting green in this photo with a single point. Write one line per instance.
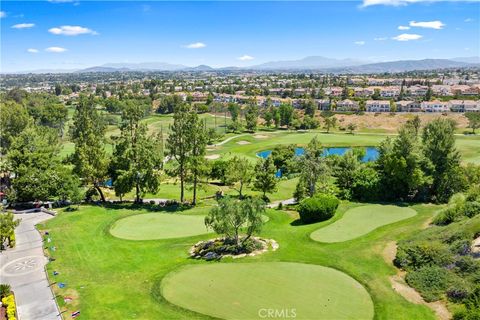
(155, 226)
(250, 290)
(151, 226)
(361, 220)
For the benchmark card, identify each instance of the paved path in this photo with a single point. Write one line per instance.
(275, 204)
(23, 268)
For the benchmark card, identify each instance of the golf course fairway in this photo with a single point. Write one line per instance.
(250, 290)
(154, 226)
(359, 221)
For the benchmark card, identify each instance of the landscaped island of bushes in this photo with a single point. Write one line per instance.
(442, 261)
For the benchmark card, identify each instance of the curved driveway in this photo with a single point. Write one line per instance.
(23, 268)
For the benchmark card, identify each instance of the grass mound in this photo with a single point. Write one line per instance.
(249, 290)
(359, 221)
(154, 226)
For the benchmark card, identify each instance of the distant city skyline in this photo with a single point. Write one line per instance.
(64, 34)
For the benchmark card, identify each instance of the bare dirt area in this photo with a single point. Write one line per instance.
(212, 156)
(410, 294)
(260, 136)
(387, 122)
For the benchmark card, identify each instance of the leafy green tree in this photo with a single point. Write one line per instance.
(7, 228)
(401, 166)
(239, 171)
(286, 114)
(268, 117)
(329, 122)
(345, 171)
(138, 156)
(179, 143)
(415, 123)
(168, 103)
(88, 133)
(310, 107)
(314, 167)
(251, 117)
(197, 165)
(283, 157)
(473, 120)
(33, 157)
(265, 179)
(14, 119)
(428, 94)
(351, 127)
(230, 216)
(277, 118)
(234, 110)
(438, 142)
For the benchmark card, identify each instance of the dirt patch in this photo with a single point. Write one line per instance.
(390, 252)
(476, 248)
(411, 295)
(391, 123)
(260, 136)
(242, 142)
(212, 156)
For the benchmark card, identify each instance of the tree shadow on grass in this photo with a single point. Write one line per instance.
(171, 208)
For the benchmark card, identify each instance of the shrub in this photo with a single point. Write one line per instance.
(426, 253)
(318, 208)
(447, 216)
(5, 290)
(430, 281)
(471, 209)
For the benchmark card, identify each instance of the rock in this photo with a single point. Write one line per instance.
(210, 256)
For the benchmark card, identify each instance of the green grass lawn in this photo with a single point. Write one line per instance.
(248, 290)
(155, 225)
(359, 221)
(121, 279)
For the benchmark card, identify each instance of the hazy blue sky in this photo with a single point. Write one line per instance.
(79, 34)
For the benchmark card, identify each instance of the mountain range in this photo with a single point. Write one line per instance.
(311, 63)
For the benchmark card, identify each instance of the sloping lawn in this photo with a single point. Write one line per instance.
(359, 221)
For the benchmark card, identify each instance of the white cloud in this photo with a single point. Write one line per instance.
(380, 39)
(71, 30)
(3, 14)
(437, 24)
(245, 58)
(359, 43)
(32, 50)
(23, 25)
(367, 3)
(407, 37)
(56, 49)
(196, 45)
(469, 20)
(403, 27)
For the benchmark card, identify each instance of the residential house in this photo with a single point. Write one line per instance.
(347, 105)
(377, 106)
(408, 106)
(434, 106)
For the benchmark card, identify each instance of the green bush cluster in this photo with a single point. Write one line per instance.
(318, 208)
(439, 263)
(459, 207)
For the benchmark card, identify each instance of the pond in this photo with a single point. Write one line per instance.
(371, 154)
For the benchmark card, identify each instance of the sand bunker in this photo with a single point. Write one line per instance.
(243, 142)
(212, 156)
